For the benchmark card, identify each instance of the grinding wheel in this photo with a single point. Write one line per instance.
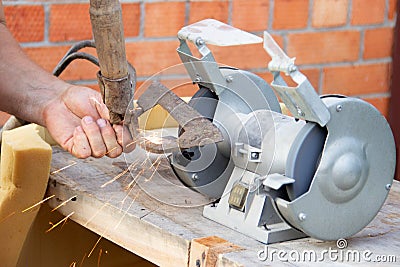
(304, 157)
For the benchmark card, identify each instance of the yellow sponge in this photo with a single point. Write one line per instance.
(25, 168)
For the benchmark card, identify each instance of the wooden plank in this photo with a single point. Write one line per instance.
(204, 252)
(158, 218)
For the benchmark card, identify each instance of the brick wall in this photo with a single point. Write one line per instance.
(343, 46)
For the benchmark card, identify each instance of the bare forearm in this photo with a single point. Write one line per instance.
(25, 88)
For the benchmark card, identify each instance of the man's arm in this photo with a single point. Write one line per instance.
(75, 116)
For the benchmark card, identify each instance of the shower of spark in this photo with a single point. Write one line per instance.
(63, 168)
(60, 222)
(63, 203)
(37, 204)
(73, 264)
(132, 165)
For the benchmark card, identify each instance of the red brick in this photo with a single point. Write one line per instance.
(392, 9)
(381, 104)
(290, 14)
(3, 117)
(26, 23)
(152, 57)
(329, 13)
(48, 57)
(131, 19)
(357, 80)
(200, 10)
(164, 19)
(250, 15)
(70, 22)
(324, 47)
(368, 12)
(378, 43)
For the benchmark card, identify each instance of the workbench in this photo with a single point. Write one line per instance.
(159, 219)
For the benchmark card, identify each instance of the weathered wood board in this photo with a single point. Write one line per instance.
(162, 230)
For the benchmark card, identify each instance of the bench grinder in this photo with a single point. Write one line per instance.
(324, 172)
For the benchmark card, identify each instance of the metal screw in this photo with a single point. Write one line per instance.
(199, 41)
(229, 79)
(195, 177)
(302, 216)
(293, 68)
(197, 80)
(388, 186)
(339, 108)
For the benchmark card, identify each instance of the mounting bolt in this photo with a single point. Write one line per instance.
(198, 79)
(339, 108)
(302, 216)
(292, 68)
(199, 41)
(229, 79)
(195, 177)
(388, 186)
(255, 155)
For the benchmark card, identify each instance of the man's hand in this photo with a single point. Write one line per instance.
(78, 120)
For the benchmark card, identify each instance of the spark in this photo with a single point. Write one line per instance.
(98, 240)
(63, 168)
(39, 203)
(98, 259)
(94, 215)
(55, 225)
(155, 169)
(118, 176)
(8, 216)
(131, 143)
(83, 259)
(62, 204)
(111, 150)
(135, 178)
(73, 264)
(126, 211)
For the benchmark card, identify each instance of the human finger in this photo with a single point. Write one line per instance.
(80, 148)
(103, 110)
(109, 138)
(94, 137)
(124, 138)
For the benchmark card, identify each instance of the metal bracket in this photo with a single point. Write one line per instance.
(302, 101)
(202, 70)
(205, 70)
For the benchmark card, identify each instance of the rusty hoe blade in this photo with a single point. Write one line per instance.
(197, 130)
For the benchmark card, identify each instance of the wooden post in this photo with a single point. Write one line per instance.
(114, 81)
